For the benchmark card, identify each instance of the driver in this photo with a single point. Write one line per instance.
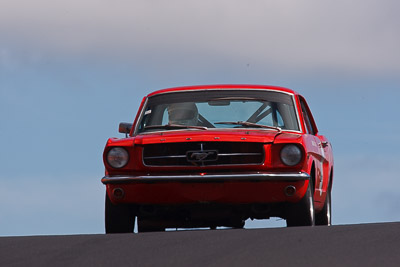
(185, 113)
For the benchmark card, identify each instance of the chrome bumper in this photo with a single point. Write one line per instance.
(208, 178)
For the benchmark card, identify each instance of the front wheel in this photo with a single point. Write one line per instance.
(302, 213)
(324, 217)
(118, 218)
(149, 225)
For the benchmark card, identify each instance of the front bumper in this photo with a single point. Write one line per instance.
(207, 188)
(208, 178)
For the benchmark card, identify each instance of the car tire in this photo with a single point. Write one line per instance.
(324, 217)
(118, 218)
(145, 226)
(238, 224)
(302, 213)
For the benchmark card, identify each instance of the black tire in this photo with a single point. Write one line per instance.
(324, 217)
(145, 226)
(118, 218)
(302, 213)
(238, 224)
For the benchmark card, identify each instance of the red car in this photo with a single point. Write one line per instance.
(216, 155)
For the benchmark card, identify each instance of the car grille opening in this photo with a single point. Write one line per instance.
(203, 154)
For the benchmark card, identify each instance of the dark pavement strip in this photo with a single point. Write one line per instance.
(343, 245)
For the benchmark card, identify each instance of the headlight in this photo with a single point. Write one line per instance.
(291, 155)
(117, 157)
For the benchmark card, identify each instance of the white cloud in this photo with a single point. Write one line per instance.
(360, 36)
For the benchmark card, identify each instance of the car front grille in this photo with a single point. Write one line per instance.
(203, 154)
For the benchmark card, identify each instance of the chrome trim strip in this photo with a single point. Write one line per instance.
(166, 157)
(219, 155)
(239, 154)
(207, 178)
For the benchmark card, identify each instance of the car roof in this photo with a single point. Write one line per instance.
(224, 87)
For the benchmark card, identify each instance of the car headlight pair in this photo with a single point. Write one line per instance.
(291, 155)
(117, 157)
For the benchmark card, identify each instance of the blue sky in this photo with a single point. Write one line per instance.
(70, 72)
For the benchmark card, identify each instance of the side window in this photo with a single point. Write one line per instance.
(309, 127)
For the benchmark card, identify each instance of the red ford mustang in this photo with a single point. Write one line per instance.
(216, 155)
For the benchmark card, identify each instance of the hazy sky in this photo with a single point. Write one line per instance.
(70, 71)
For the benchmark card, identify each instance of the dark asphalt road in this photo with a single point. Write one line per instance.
(344, 245)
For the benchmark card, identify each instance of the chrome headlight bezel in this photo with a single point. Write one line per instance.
(291, 155)
(117, 157)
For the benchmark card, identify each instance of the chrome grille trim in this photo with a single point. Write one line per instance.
(229, 153)
(219, 155)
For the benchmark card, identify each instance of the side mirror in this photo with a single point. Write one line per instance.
(125, 127)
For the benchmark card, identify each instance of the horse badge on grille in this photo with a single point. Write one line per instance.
(202, 155)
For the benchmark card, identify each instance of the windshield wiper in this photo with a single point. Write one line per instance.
(249, 124)
(175, 126)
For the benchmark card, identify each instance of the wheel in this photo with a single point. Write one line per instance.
(238, 224)
(324, 217)
(149, 226)
(118, 218)
(302, 213)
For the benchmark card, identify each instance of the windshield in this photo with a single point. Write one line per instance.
(219, 109)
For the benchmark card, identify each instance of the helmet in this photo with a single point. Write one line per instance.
(185, 113)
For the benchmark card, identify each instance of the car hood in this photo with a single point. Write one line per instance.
(194, 135)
